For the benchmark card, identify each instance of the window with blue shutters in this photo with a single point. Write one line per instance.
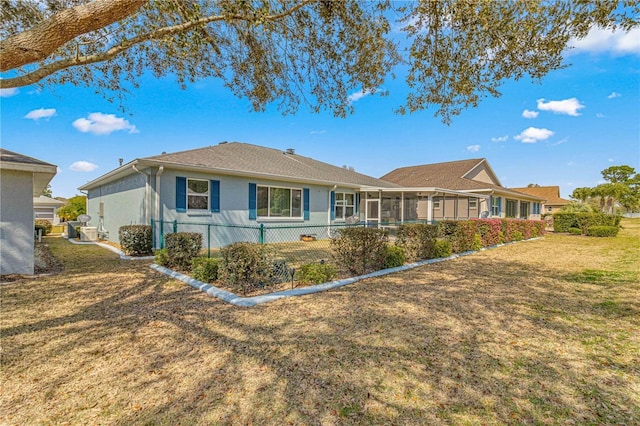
(215, 195)
(181, 194)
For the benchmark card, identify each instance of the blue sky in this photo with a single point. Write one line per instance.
(562, 131)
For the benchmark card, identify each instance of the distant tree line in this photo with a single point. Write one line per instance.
(621, 188)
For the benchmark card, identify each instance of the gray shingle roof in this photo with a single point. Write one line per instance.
(247, 158)
(440, 175)
(7, 156)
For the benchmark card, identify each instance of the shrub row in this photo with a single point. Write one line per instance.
(602, 231)
(562, 221)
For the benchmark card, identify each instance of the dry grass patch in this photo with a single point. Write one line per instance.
(543, 332)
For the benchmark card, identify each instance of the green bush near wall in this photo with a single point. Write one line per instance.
(418, 240)
(360, 250)
(182, 248)
(135, 240)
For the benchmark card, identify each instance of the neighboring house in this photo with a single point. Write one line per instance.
(551, 194)
(46, 208)
(21, 179)
(473, 176)
(246, 185)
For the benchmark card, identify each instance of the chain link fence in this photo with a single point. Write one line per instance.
(294, 245)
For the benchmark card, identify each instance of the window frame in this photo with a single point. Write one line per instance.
(526, 207)
(208, 195)
(495, 205)
(291, 198)
(342, 203)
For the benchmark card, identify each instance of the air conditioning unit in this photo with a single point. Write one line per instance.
(88, 233)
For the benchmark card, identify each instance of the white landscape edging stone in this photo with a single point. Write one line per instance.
(107, 246)
(256, 300)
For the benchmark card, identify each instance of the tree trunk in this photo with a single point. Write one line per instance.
(42, 40)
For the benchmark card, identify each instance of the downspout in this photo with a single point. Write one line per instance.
(158, 174)
(147, 194)
(158, 243)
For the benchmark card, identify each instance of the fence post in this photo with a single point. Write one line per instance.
(175, 226)
(208, 240)
(153, 234)
(261, 240)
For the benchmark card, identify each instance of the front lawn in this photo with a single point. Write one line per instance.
(541, 332)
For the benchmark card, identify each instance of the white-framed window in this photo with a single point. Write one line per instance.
(511, 208)
(197, 194)
(436, 203)
(274, 201)
(524, 210)
(473, 203)
(344, 205)
(495, 206)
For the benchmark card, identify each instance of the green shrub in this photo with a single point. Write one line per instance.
(245, 266)
(602, 231)
(182, 248)
(394, 256)
(443, 248)
(575, 231)
(460, 233)
(360, 250)
(477, 242)
(489, 230)
(205, 269)
(135, 240)
(44, 225)
(317, 273)
(161, 257)
(563, 221)
(418, 240)
(517, 236)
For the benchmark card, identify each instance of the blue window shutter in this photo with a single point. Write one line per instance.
(215, 196)
(357, 206)
(333, 205)
(181, 194)
(305, 201)
(499, 206)
(253, 195)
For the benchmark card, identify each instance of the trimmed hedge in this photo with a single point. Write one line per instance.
(205, 269)
(360, 250)
(182, 248)
(562, 221)
(394, 256)
(316, 273)
(135, 240)
(602, 231)
(489, 231)
(460, 233)
(417, 240)
(443, 248)
(246, 266)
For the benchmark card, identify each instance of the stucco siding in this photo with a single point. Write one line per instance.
(16, 222)
(123, 204)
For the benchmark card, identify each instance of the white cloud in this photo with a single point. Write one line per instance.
(610, 160)
(500, 138)
(614, 95)
(103, 124)
(37, 114)
(600, 115)
(7, 93)
(567, 106)
(317, 132)
(473, 148)
(533, 135)
(600, 40)
(355, 97)
(83, 166)
(529, 114)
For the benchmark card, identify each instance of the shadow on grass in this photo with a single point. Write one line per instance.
(473, 340)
